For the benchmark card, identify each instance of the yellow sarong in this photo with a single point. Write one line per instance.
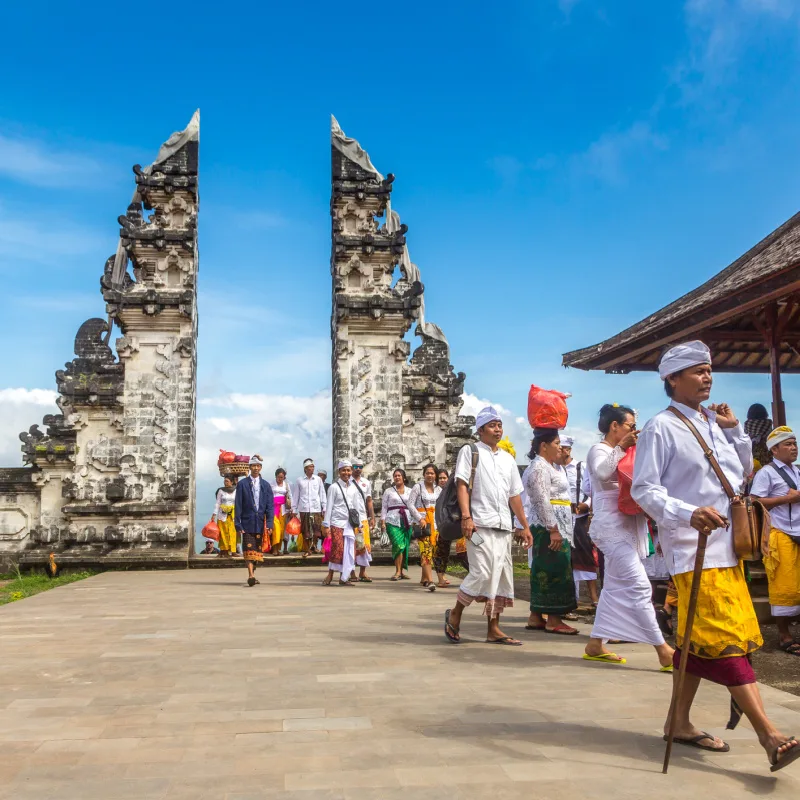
(426, 545)
(278, 527)
(367, 542)
(725, 623)
(227, 531)
(782, 565)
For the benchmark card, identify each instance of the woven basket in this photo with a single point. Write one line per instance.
(236, 468)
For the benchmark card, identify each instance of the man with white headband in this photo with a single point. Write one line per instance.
(254, 510)
(675, 484)
(308, 500)
(364, 553)
(344, 516)
(776, 484)
(584, 553)
(486, 524)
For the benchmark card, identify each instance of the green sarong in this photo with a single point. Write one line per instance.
(552, 584)
(400, 539)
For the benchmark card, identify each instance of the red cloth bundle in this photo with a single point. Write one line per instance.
(626, 504)
(547, 408)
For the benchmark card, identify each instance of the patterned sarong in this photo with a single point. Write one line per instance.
(552, 584)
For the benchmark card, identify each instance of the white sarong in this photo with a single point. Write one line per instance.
(625, 610)
(349, 555)
(491, 572)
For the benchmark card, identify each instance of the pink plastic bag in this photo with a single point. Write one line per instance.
(326, 549)
(626, 504)
(547, 408)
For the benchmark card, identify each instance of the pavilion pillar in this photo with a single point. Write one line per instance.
(773, 342)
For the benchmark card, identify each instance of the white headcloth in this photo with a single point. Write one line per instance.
(780, 434)
(683, 356)
(485, 416)
(566, 441)
(308, 462)
(345, 462)
(255, 460)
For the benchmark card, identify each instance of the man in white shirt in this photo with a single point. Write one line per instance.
(364, 555)
(776, 484)
(344, 499)
(675, 484)
(584, 553)
(308, 500)
(486, 524)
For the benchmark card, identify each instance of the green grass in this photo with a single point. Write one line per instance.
(22, 585)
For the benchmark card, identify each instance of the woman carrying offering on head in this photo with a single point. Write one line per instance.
(282, 500)
(223, 516)
(552, 584)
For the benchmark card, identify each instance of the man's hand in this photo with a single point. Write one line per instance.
(582, 508)
(793, 496)
(326, 531)
(467, 527)
(555, 540)
(706, 519)
(372, 523)
(725, 416)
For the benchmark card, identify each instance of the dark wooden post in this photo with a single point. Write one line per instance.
(774, 344)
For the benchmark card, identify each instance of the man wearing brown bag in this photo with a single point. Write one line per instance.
(676, 485)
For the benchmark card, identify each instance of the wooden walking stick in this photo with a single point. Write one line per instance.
(687, 638)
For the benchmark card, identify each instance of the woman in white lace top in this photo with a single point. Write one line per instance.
(552, 585)
(625, 610)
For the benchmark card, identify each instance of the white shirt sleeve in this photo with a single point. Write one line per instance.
(361, 506)
(604, 463)
(464, 463)
(742, 444)
(586, 486)
(216, 507)
(413, 497)
(515, 484)
(322, 498)
(328, 508)
(762, 483)
(384, 504)
(539, 495)
(652, 453)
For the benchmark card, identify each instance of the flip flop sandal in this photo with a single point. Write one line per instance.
(791, 648)
(562, 630)
(450, 631)
(669, 669)
(536, 627)
(781, 761)
(506, 640)
(365, 580)
(431, 587)
(251, 581)
(395, 578)
(404, 578)
(606, 658)
(345, 583)
(694, 741)
(664, 620)
(571, 616)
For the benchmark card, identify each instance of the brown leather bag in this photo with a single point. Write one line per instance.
(748, 519)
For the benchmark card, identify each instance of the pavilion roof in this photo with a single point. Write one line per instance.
(735, 313)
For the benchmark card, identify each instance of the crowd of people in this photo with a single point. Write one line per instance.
(572, 519)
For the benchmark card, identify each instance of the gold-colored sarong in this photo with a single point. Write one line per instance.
(725, 624)
(782, 565)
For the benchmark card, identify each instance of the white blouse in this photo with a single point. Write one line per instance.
(545, 483)
(225, 497)
(422, 499)
(284, 490)
(392, 505)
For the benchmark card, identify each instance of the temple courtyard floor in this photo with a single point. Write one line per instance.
(191, 685)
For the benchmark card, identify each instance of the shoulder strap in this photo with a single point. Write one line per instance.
(344, 495)
(707, 452)
(475, 454)
(578, 483)
(785, 475)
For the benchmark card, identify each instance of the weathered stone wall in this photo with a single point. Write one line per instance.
(387, 410)
(112, 478)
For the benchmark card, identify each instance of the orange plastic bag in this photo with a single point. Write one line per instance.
(211, 530)
(547, 408)
(626, 504)
(293, 527)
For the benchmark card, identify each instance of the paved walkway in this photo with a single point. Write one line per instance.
(191, 685)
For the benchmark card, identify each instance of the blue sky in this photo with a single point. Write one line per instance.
(565, 167)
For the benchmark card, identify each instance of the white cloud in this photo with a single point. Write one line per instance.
(606, 157)
(19, 409)
(35, 162)
(46, 238)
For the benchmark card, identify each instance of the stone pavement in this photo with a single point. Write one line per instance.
(191, 685)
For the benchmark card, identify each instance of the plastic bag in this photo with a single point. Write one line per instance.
(546, 408)
(326, 549)
(293, 527)
(226, 457)
(626, 504)
(211, 530)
